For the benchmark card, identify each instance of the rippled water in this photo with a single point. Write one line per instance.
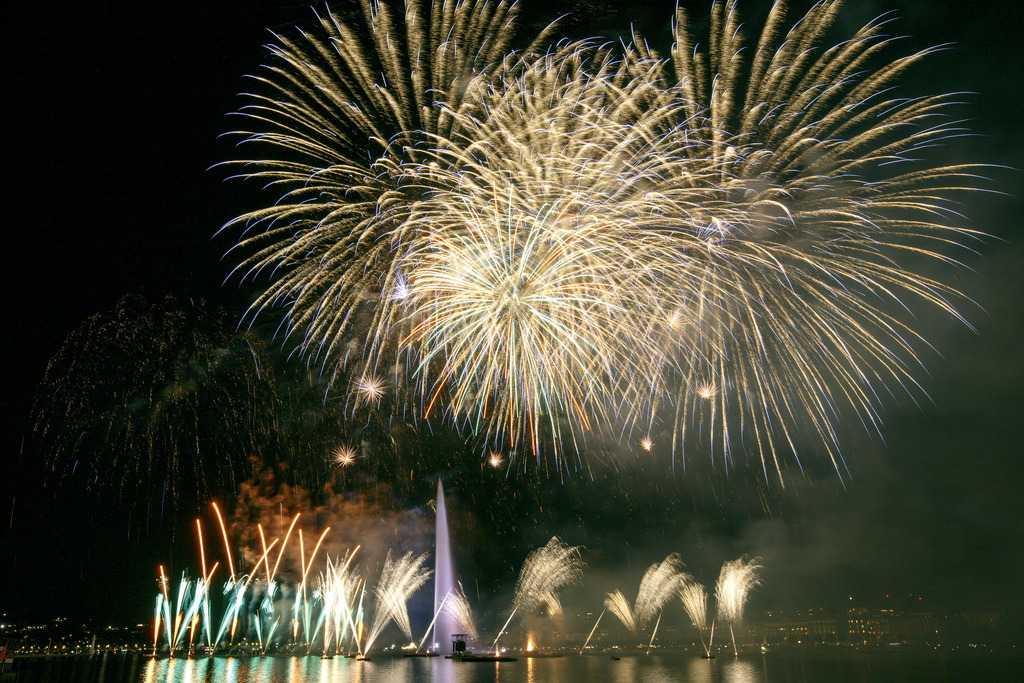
(771, 668)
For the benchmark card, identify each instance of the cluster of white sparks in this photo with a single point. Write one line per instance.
(546, 571)
(667, 579)
(659, 584)
(542, 243)
(736, 580)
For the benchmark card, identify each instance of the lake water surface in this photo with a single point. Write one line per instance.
(666, 668)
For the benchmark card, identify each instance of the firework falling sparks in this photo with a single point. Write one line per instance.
(399, 579)
(457, 605)
(548, 243)
(546, 571)
(695, 602)
(736, 580)
(187, 406)
(659, 584)
(354, 102)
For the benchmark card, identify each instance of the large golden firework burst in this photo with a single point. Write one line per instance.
(727, 240)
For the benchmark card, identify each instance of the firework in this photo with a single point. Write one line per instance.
(519, 317)
(545, 571)
(399, 579)
(531, 295)
(736, 580)
(339, 112)
(550, 244)
(344, 456)
(457, 606)
(618, 604)
(812, 242)
(593, 629)
(695, 602)
(187, 406)
(660, 582)
(339, 587)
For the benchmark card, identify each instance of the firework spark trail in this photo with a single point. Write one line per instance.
(399, 579)
(660, 582)
(353, 103)
(339, 586)
(654, 633)
(224, 534)
(812, 236)
(618, 604)
(444, 600)
(695, 602)
(547, 570)
(591, 634)
(567, 239)
(736, 580)
(458, 607)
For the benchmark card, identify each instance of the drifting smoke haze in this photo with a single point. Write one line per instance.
(355, 520)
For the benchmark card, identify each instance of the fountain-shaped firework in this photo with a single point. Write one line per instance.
(545, 571)
(659, 583)
(735, 582)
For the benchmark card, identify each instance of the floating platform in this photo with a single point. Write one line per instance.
(468, 657)
(421, 654)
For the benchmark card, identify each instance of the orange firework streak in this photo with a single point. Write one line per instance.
(305, 570)
(263, 542)
(202, 551)
(227, 546)
(262, 560)
(281, 552)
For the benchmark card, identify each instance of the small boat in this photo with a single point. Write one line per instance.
(615, 659)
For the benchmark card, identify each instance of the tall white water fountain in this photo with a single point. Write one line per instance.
(444, 576)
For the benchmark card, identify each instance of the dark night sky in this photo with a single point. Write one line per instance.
(113, 111)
